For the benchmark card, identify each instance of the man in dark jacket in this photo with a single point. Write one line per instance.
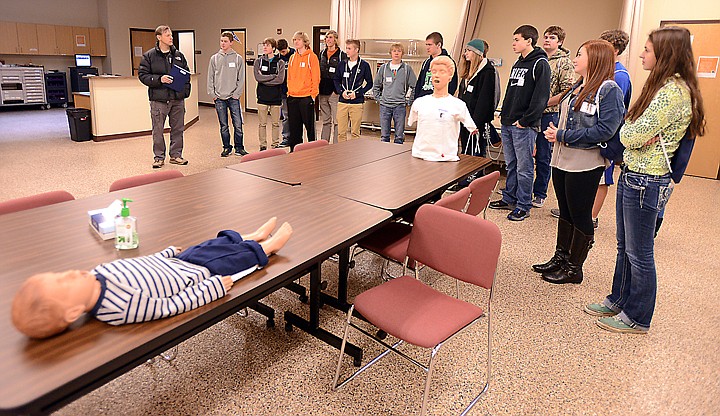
(330, 58)
(434, 46)
(526, 97)
(165, 101)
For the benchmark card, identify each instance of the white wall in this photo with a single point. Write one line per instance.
(382, 19)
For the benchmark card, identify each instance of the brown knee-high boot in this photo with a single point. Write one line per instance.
(572, 272)
(562, 249)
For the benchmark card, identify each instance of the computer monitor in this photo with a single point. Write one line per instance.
(82, 60)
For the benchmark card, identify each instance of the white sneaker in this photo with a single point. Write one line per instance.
(538, 202)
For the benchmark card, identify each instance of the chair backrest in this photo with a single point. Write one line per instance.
(39, 200)
(457, 201)
(145, 179)
(481, 189)
(311, 145)
(262, 154)
(461, 246)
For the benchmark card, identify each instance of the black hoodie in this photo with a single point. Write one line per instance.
(528, 90)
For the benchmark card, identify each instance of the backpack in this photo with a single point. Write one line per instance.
(681, 157)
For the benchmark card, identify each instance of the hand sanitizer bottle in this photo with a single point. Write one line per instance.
(126, 237)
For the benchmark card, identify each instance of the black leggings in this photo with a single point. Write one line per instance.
(575, 193)
(301, 111)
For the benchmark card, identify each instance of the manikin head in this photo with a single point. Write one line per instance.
(47, 303)
(442, 69)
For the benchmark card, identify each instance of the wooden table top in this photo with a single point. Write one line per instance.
(38, 375)
(298, 167)
(396, 182)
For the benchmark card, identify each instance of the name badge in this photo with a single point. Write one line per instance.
(263, 68)
(388, 79)
(521, 82)
(231, 64)
(346, 74)
(302, 64)
(588, 108)
(470, 88)
(331, 70)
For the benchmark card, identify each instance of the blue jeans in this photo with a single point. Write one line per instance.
(543, 155)
(222, 106)
(284, 118)
(640, 198)
(397, 115)
(518, 146)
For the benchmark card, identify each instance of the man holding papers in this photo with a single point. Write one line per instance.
(167, 98)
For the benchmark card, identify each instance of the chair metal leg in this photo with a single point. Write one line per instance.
(342, 347)
(170, 354)
(428, 379)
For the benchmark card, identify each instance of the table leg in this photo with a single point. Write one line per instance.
(312, 326)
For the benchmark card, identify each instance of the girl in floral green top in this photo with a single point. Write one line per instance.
(669, 104)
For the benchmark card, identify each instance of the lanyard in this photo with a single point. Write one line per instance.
(354, 78)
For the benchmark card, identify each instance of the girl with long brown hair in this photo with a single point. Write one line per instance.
(669, 105)
(477, 90)
(590, 113)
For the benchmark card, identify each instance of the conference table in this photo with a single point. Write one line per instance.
(297, 167)
(42, 375)
(347, 191)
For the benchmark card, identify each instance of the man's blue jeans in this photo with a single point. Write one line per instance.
(518, 146)
(640, 198)
(222, 106)
(397, 115)
(543, 154)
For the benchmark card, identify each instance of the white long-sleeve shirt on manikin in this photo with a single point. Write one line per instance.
(436, 136)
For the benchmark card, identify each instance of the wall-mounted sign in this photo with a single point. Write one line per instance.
(80, 41)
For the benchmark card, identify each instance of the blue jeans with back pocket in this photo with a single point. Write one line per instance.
(640, 198)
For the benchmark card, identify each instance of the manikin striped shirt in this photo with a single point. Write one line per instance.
(152, 287)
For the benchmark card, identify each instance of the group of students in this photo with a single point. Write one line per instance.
(552, 126)
(580, 129)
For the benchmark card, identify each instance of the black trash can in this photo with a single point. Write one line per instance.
(80, 126)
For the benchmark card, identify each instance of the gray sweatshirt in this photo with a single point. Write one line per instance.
(392, 90)
(226, 75)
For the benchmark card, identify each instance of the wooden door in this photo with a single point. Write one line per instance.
(141, 41)
(97, 42)
(27, 38)
(46, 40)
(8, 38)
(64, 40)
(81, 39)
(705, 160)
(239, 46)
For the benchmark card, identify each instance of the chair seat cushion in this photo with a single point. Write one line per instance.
(414, 312)
(390, 242)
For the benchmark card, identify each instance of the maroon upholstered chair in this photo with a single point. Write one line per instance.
(311, 145)
(34, 201)
(262, 154)
(462, 246)
(481, 189)
(391, 241)
(145, 179)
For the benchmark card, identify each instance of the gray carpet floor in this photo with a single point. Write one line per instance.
(548, 356)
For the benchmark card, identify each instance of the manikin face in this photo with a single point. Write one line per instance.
(298, 43)
(267, 49)
(396, 54)
(550, 42)
(225, 43)
(330, 41)
(166, 38)
(648, 56)
(352, 51)
(433, 49)
(520, 44)
(581, 62)
(441, 75)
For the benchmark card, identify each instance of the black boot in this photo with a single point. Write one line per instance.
(572, 272)
(562, 249)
